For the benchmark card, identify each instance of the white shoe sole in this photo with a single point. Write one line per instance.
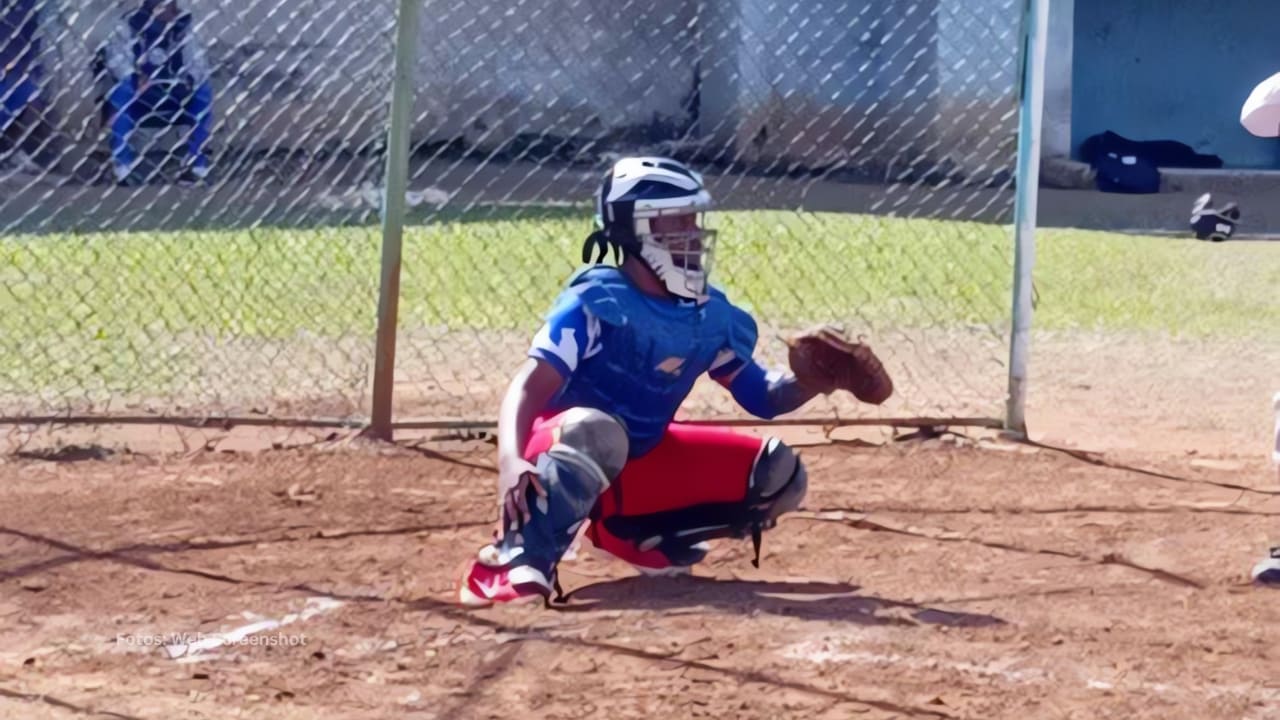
(1267, 572)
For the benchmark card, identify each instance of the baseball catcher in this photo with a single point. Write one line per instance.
(586, 427)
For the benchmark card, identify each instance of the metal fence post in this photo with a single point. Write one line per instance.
(393, 217)
(1035, 38)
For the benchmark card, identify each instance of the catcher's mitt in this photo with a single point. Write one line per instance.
(825, 361)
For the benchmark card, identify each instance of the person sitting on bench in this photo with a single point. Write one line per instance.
(160, 71)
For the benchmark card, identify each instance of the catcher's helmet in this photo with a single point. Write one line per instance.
(653, 209)
(1210, 223)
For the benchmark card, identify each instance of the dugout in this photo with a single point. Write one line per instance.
(1155, 70)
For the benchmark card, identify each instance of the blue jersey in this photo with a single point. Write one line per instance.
(635, 356)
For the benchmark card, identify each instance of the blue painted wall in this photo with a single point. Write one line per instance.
(1163, 70)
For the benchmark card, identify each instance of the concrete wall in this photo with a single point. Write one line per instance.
(896, 88)
(317, 73)
(869, 84)
(978, 70)
(1057, 95)
(491, 69)
(851, 83)
(1149, 72)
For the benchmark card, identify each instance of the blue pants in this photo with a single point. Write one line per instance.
(24, 120)
(15, 94)
(129, 108)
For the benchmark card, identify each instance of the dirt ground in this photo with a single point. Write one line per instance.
(1099, 571)
(955, 576)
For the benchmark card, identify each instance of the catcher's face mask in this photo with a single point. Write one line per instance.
(679, 247)
(684, 237)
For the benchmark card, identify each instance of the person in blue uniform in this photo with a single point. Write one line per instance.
(160, 70)
(586, 430)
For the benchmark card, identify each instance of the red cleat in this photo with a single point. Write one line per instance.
(489, 579)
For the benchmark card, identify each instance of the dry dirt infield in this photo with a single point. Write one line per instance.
(946, 577)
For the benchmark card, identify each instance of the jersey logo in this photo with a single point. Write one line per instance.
(671, 366)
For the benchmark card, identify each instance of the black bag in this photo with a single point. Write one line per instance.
(1131, 174)
(1132, 166)
(1161, 153)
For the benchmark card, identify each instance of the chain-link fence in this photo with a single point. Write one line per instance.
(862, 155)
(189, 205)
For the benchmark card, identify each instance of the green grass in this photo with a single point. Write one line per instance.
(82, 309)
(1177, 286)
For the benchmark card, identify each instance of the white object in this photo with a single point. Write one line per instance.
(1267, 572)
(1275, 452)
(1261, 112)
(201, 644)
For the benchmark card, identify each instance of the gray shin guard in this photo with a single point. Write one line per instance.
(590, 452)
(572, 483)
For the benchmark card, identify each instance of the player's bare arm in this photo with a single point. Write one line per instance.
(528, 394)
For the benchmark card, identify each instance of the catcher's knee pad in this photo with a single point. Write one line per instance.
(596, 435)
(778, 481)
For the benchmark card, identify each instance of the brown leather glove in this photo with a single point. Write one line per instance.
(822, 359)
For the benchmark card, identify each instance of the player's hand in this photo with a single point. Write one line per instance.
(515, 476)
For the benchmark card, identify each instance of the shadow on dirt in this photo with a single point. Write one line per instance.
(837, 602)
